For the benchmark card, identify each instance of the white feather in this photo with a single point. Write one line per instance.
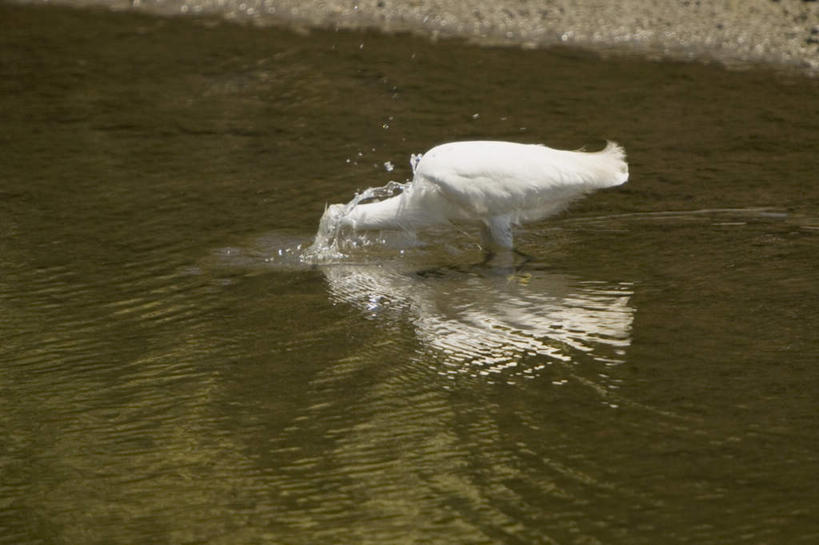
(497, 185)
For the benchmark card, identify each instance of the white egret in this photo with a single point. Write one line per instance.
(495, 185)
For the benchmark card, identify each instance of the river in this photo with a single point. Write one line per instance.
(172, 372)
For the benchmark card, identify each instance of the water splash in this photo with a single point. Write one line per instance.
(415, 158)
(333, 242)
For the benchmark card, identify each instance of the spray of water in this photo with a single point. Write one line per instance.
(333, 242)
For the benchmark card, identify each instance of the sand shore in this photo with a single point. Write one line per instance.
(781, 32)
(756, 31)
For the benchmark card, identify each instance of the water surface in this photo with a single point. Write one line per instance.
(172, 373)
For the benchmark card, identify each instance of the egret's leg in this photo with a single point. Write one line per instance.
(514, 260)
(497, 240)
(526, 258)
(496, 233)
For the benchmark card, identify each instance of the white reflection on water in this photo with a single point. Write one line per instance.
(493, 323)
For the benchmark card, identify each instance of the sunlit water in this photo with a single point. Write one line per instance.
(176, 368)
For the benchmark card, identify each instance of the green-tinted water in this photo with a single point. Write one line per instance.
(166, 376)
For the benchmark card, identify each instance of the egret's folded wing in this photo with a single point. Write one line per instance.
(528, 181)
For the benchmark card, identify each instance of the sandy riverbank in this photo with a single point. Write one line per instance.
(783, 32)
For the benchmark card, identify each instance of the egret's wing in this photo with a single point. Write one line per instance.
(525, 181)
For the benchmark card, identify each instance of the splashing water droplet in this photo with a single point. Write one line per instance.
(331, 240)
(415, 158)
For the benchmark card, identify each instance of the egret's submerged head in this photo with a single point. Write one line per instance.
(325, 246)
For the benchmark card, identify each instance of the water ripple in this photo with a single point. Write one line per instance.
(493, 323)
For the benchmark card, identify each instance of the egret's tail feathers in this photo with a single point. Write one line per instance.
(615, 160)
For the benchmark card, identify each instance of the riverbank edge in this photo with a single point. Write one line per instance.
(781, 34)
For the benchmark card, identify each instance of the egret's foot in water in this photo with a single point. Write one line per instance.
(513, 259)
(526, 258)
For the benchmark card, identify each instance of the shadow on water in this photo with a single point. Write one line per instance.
(173, 372)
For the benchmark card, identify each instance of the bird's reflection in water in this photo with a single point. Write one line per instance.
(493, 323)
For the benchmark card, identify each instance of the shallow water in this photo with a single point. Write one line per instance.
(172, 373)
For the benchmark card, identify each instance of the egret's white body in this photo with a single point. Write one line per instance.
(496, 185)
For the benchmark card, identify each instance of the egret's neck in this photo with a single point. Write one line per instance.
(416, 207)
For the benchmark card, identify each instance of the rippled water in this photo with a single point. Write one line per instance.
(171, 372)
